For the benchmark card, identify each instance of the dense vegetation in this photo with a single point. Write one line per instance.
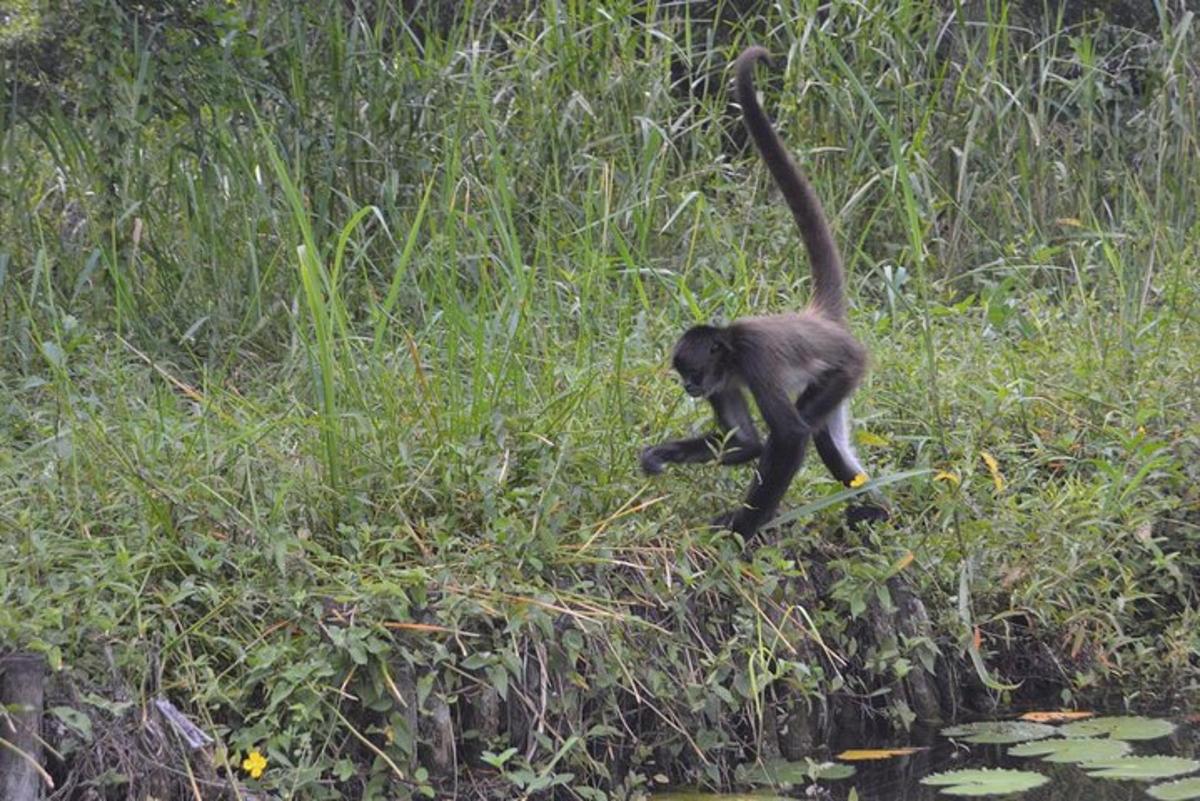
(329, 334)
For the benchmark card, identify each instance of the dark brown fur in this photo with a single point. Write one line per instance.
(829, 283)
(800, 367)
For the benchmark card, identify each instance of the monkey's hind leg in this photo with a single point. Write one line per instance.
(837, 452)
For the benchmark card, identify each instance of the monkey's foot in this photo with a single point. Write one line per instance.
(857, 514)
(739, 521)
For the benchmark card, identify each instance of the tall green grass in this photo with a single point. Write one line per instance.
(373, 320)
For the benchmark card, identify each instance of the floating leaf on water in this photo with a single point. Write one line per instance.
(1141, 767)
(1182, 790)
(1000, 731)
(864, 754)
(1059, 716)
(780, 772)
(985, 782)
(689, 795)
(831, 772)
(1074, 749)
(1128, 727)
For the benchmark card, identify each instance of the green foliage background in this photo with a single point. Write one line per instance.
(329, 333)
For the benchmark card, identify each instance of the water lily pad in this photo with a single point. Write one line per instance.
(1142, 767)
(1073, 749)
(687, 795)
(831, 771)
(1127, 727)
(1000, 731)
(985, 782)
(782, 772)
(1182, 790)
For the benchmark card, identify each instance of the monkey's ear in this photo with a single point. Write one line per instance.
(722, 342)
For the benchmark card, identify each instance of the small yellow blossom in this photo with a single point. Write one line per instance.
(254, 764)
(903, 562)
(994, 468)
(944, 475)
(858, 480)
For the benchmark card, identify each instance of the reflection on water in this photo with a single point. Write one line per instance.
(898, 779)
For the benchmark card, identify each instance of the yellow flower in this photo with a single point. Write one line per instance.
(254, 764)
(858, 480)
(901, 563)
(994, 468)
(945, 475)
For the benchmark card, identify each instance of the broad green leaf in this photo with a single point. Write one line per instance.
(54, 354)
(75, 719)
(1182, 790)
(985, 782)
(831, 772)
(1000, 731)
(1075, 749)
(1121, 728)
(781, 772)
(1141, 767)
(686, 795)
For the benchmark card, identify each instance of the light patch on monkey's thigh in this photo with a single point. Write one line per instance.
(796, 379)
(838, 426)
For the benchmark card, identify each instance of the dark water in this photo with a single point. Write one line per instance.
(898, 779)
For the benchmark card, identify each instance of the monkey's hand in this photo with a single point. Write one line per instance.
(652, 461)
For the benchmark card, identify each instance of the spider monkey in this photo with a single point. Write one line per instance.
(801, 367)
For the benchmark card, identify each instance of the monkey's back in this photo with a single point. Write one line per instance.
(799, 346)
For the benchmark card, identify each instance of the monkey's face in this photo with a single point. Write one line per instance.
(700, 358)
(699, 382)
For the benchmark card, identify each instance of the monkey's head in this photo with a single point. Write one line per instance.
(701, 358)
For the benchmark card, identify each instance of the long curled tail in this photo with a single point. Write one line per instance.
(829, 281)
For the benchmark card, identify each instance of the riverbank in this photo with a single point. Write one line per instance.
(328, 351)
